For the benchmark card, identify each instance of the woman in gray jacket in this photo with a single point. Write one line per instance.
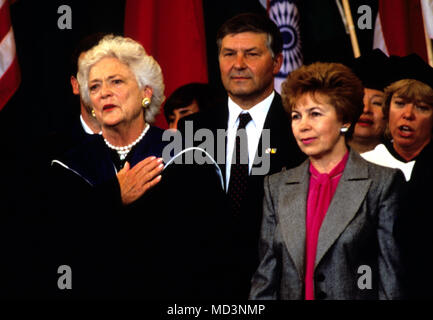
(327, 230)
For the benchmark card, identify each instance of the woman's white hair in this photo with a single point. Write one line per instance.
(145, 68)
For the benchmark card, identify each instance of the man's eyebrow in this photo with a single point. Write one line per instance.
(244, 50)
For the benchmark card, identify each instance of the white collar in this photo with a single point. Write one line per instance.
(380, 155)
(258, 112)
(86, 128)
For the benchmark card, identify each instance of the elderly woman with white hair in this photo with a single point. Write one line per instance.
(125, 88)
(102, 212)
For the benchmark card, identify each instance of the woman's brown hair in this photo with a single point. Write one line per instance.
(341, 87)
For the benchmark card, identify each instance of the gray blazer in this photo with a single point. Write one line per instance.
(357, 231)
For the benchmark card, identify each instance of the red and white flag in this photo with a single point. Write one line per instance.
(172, 31)
(9, 69)
(399, 28)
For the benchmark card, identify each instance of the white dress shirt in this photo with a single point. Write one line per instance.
(253, 129)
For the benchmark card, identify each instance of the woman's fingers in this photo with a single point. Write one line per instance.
(136, 181)
(149, 172)
(148, 161)
(151, 183)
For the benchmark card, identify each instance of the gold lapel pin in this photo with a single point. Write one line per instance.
(271, 150)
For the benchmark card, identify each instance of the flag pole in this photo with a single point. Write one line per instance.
(427, 42)
(353, 38)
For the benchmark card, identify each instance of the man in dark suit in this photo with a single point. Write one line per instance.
(249, 47)
(86, 124)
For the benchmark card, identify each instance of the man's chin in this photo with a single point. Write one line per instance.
(241, 92)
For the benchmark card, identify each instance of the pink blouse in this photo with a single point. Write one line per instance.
(321, 190)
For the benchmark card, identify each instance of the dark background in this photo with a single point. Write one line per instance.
(44, 102)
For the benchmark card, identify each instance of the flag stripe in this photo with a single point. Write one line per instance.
(7, 51)
(427, 8)
(5, 21)
(378, 39)
(402, 27)
(9, 83)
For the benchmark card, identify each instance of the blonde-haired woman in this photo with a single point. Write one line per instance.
(408, 108)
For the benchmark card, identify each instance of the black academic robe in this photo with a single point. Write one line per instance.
(414, 228)
(87, 228)
(245, 228)
(166, 245)
(26, 205)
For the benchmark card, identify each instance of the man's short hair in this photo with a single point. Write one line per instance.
(253, 22)
(84, 45)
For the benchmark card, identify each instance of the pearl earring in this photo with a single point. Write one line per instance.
(344, 129)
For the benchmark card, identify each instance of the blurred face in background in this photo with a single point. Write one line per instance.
(371, 124)
(180, 113)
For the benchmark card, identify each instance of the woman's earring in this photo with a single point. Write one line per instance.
(145, 102)
(93, 113)
(344, 129)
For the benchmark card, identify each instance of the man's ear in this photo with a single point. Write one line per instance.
(278, 62)
(75, 85)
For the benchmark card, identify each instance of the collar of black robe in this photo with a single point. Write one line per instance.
(388, 144)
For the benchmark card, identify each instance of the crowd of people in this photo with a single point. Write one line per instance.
(341, 212)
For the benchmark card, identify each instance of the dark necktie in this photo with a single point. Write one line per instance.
(239, 171)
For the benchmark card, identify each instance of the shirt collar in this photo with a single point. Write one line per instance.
(258, 112)
(86, 128)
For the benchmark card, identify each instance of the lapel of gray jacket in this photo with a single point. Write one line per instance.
(292, 217)
(351, 191)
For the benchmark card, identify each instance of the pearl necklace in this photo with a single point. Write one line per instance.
(123, 151)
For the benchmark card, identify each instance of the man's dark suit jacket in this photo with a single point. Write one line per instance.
(245, 228)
